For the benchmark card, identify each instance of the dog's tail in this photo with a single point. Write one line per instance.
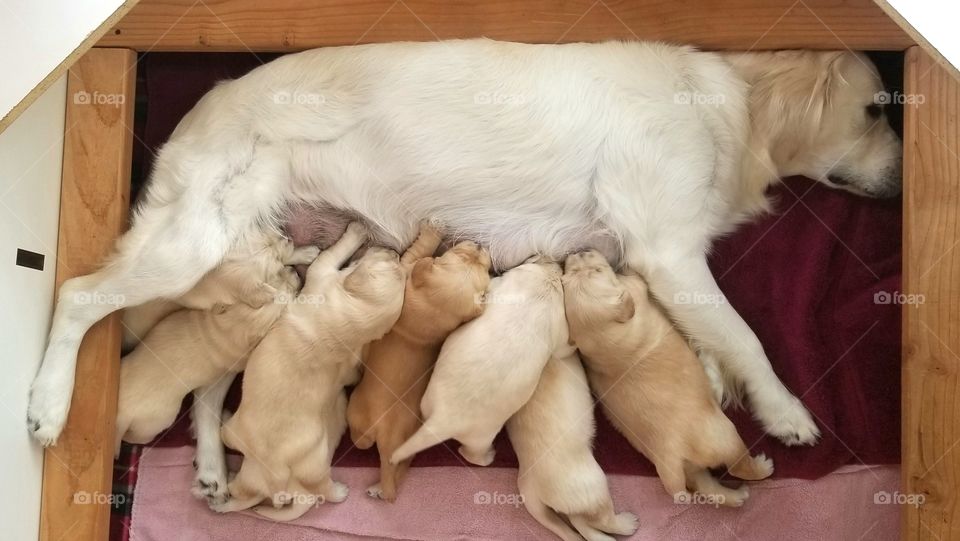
(427, 436)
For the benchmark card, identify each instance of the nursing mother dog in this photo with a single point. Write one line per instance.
(644, 150)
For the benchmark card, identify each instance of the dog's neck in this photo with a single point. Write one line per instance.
(772, 141)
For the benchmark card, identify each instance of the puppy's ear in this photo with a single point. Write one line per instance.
(625, 307)
(421, 269)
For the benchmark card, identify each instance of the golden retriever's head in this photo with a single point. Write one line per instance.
(453, 283)
(592, 292)
(377, 275)
(822, 115)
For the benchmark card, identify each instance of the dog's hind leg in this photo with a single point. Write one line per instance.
(547, 517)
(478, 449)
(190, 220)
(166, 264)
(210, 482)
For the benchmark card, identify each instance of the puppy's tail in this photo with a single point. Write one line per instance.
(284, 514)
(427, 436)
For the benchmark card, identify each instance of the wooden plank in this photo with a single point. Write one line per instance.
(931, 329)
(95, 195)
(290, 25)
(61, 68)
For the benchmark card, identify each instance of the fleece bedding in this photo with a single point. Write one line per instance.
(818, 281)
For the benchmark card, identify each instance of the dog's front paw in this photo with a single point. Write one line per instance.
(212, 487)
(47, 414)
(791, 423)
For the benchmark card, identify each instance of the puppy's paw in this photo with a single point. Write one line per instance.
(762, 465)
(357, 230)
(338, 492)
(736, 498)
(623, 524)
(478, 458)
(790, 422)
(374, 491)
(303, 255)
(47, 413)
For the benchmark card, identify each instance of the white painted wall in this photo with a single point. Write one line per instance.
(936, 20)
(37, 35)
(31, 158)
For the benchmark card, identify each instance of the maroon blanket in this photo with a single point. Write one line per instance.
(806, 279)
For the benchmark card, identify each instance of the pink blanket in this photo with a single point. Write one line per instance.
(481, 504)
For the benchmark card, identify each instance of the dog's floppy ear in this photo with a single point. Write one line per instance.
(419, 272)
(626, 307)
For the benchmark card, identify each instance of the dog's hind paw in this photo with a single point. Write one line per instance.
(212, 488)
(46, 416)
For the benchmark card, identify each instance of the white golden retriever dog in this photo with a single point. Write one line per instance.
(648, 151)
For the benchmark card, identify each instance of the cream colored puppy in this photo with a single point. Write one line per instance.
(185, 351)
(245, 276)
(441, 294)
(552, 435)
(488, 368)
(294, 379)
(651, 384)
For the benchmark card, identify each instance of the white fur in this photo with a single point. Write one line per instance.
(552, 435)
(525, 148)
(489, 367)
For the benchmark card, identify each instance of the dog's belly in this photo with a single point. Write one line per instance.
(533, 195)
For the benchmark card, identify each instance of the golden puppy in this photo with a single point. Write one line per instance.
(488, 368)
(441, 294)
(552, 435)
(651, 384)
(290, 419)
(189, 349)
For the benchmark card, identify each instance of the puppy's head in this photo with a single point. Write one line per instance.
(823, 115)
(377, 275)
(455, 281)
(593, 294)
